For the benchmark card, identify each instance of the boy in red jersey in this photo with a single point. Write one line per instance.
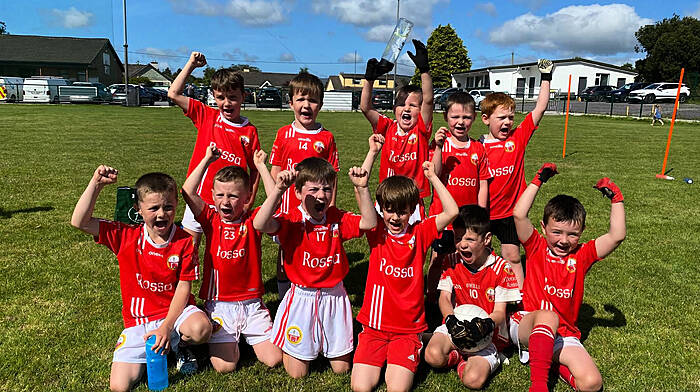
(315, 315)
(463, 167)
(406, 138)
(223, 128)
(393, 309)
(303, 138)
(556, 267)
(232, 286)
(505, 149)
(479, 277)
(157, 265)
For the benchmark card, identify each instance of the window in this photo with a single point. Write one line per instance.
(106, 58)
(498, 82)
(82, 76)
(355, 81)
(382, 82)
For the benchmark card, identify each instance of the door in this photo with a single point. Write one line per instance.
(582, 82)
(531, 89)
(621, 82)
(520, 88)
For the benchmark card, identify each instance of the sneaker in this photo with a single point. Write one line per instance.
(186, 361)
(453, 359)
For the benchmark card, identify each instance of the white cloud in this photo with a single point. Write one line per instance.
(487, 8)
(239, 55)
(351, 57)
(287, 57)
(248, 12)
(379, 33)
(574, 30)
(374, 12)
(72, 18)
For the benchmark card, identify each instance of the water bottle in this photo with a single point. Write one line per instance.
(688, 180)
(398, 38)
(156, 367)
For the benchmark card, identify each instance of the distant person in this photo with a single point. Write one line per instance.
(157, 264)
(190, 90)
(224, 128)
(656, 115)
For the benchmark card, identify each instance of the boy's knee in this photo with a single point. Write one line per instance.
(271, 359)
(199, 332)
(297, 373)
(433, 356)
(591, 382)
(473, 380)
(361, 385)
(224, 367)
(119, 385)
(341, 368)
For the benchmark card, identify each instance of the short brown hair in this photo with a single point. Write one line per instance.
(314, 170)
(155, 183)
(474, 218)
(494, 100)
(226, 79)
(398, 193)
(460, 98)
(565, 208)
(404, 92)
(232, 174)
(306, 84)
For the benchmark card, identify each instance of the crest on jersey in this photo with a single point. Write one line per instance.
(294, 335)
(509, 146)
(475, 158)
(319, 146)
(508, 269)
(120, 342)
(244, 140)
(216, 324)
(413, 139)
(173, 262)
(243, 230)
(491, 294)
(571, 265)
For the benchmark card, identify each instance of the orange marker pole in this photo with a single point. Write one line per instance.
(566, 122)
(670, 131)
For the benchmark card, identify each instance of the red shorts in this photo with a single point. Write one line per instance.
(376, 348)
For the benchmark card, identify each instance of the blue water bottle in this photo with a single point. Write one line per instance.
(156, 367)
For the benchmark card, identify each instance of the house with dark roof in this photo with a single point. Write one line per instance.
(257, 80)
(149, 71)
(348, 81)
(76, 59)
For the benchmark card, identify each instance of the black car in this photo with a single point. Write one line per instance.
(269, 98)
(441, 102)
(382, 100)
(596, 93)
(622, 94)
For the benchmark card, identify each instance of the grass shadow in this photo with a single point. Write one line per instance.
(587, 319)
(8, 214)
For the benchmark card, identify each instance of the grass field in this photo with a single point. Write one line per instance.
(60, 314)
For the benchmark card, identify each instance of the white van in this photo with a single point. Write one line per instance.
(42, 88)
(11, 89)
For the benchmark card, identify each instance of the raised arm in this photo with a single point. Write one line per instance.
(545, 67)
(445, 303)
(189, 188)
(360, 180)
(175, 91)
(608, 242)
(268, 181)
(482, 198)
(376, 142)
(420, 59)
(264, 220)
(82, 214)
(439, 139)
(523, 226)
(374, 70)
(449, 206)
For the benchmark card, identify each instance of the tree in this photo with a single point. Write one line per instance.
(243, 67)
(208, 73)
(628, 66)
(141, 80)
(3, 28)
(670, 44)
(303, 69)
(168, 73)
(447, 55)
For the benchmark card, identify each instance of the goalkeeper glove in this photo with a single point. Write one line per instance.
(547, 171)
(545, 66)
(376, 68)
(609, 189)
(420, 59)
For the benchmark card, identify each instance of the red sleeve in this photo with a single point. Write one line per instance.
(333, 154)
(507, 279)
(111, 234)
(484, 172)
(588, 255)
(349, 225)
(254, 147)
(525, 130)
(283, 230)
(383, 125)
(205, 218)
(373, 234)
(275, 158)
(189, 268)
(196, 111)
(422, 128)
(533, 243)
(428, 230)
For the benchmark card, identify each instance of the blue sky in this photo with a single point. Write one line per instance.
(324, 35)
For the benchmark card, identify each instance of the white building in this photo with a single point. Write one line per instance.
(524, 79)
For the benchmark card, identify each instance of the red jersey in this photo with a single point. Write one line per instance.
(148, 272)
(292, 145)
(462, 169)
(232, 261)
(312, 252)
(394, 290)
(506, 161)
(493, 282)
(556, 283)
(403, 154)
(237, 143)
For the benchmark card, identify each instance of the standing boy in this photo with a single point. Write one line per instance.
(553, 291)
(407, 136)
(223, 128)
(315, 315)
(157, 265)
(505, 149)
(232, 286)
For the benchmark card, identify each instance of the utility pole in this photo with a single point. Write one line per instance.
(354, 75)
(512, 58)
(126, 59)
(396, 66)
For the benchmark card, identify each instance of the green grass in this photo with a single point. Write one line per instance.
(60, 314)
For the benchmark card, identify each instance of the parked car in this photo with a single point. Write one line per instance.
(42, 88)
(157, 94)
(269, 97)
(596, 93)
(437, 92)
(441, 102)
(119, 94)
(660, 91)
(249, 95)
(382, 99)
(91, 92)
(11, 89)
(622, 93)
(479, 96)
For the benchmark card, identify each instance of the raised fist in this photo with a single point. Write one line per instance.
(547, 171)
(545, 66)
(198, 60)
(420, 59)
(609, 189)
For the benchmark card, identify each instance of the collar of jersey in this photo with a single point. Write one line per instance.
(469, 143)
(306, 131)
(233, 124)
(486, 139)
(150, 241)
(309, 218)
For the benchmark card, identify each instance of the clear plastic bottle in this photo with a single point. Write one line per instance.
(156, 367)
(397, 40)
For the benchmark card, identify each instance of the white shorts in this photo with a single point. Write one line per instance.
(559, 341)
(231, 319)
(489, 353)
(131, 348)
(415, 217)
(188, 221)
(312, 321)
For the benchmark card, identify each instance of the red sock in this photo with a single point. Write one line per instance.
(566, 375)
(460, 368)
(541, 345)
(453, 359)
